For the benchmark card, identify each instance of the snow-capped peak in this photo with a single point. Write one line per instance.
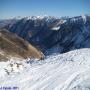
(84, 18)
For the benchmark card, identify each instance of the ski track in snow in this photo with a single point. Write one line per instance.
(68, 71)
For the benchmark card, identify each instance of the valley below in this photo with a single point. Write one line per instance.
(45, 53)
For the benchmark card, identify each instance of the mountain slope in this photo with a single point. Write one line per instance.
(48, 32)
(13, 45)
(69, 71)
(29, 37)
(7, 23)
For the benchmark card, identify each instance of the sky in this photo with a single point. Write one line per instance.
(58, 8)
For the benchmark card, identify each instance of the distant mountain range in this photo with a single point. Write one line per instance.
(52, 34)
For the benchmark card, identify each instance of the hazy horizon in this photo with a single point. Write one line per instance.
(57, 8)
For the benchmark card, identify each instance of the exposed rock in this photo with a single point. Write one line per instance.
(4, 57)
(12, 45)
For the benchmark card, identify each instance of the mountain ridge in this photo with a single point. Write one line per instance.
(43, 34)
(46, 33)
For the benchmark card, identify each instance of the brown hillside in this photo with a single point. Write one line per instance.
(16, 46)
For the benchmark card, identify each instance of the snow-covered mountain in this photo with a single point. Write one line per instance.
(65, 42)
(69, 71)
(46, 33)
(7, 23)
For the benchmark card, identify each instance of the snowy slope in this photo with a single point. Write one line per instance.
(69, 71)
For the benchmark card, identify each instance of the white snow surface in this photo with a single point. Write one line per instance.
(56, 28)
(68, 71)
(84, 18)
